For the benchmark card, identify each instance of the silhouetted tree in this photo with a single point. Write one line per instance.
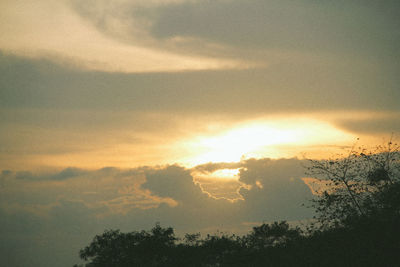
(358, 224)
(358, 211)
(355, 186)
(270, 235)
(113, 248)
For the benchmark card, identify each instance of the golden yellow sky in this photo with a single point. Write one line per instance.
(129, 83)
(186, 141)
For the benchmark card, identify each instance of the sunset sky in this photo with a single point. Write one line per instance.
(195, 114)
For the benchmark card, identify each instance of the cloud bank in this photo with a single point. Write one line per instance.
(76, 203)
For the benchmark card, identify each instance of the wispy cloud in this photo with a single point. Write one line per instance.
(28, 25)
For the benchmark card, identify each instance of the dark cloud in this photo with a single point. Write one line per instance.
(18, 231)
(288, 87)
(60, 218)
(270, 170)
(5, 173)
(68, 173)
(277, 190)
(352, 26)
(25, 175)
(384, 124)
(28, 239)
(272, 190)
(195, 209)
(64, 174)
(175, 182)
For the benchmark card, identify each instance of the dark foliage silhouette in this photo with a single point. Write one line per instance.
(359, 185)
(357, 224)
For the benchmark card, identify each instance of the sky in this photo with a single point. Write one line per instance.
(199, 115)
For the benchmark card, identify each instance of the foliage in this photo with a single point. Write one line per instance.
(356, 185)
(114, 248)
(271, 235)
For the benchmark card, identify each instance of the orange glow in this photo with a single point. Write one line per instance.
(262, 138)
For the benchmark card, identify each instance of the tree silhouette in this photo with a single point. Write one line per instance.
(357, 224)
(145, 248)
(356, 186)
(270, 235)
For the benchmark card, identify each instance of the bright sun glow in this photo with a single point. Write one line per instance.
(220, 174)
(261, 139)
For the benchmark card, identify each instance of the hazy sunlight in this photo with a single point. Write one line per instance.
(220, 174)
(261, 138)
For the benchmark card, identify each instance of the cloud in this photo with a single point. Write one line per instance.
(197, 35)
(241, 30)
(63, 117)
(62, 215)
(277, 184)
(219, 180)
(66, 173)
(287, 87)
(211, 167)
(305, 25)
(100, 83)
(52, 240)
(374, 124)
(175, 182)
(110, 190)
(27, 25)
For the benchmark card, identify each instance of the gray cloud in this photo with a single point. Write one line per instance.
(174, 182)
(66, 173)
(277, 184)
(271, 179)
(52, 240)
(69, 212)
(305, 25)
(365, 29)
(52, 111)
(384, 124)
(287, 87)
